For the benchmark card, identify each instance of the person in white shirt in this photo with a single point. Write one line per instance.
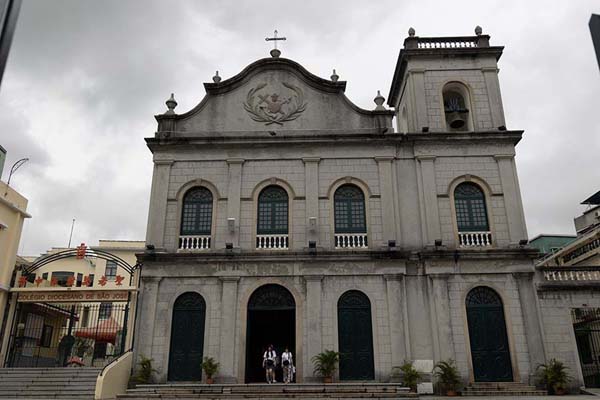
(287, 362)
(269, 361)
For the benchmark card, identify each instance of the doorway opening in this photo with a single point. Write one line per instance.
(271, 321)
(586, 323)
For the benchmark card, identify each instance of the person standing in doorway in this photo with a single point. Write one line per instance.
(287, 362)
(269, 359)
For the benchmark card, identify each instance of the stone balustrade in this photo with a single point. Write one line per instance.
(194, 242)
(475, 239)
(351, 241)
(272, 242)
(571, 274)
(447, 42)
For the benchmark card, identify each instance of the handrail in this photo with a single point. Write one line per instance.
(114, 361)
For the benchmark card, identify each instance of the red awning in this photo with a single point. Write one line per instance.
(105, 331)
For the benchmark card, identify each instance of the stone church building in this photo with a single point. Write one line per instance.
(282, 213)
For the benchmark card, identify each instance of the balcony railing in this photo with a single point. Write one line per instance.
(194, 242)
(447, 42)
(571, 274)
(475, 239)
(272, 242)
(351, 241)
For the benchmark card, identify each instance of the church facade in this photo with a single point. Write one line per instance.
(281, 213)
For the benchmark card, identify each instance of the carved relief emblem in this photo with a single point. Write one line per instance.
(273, 108)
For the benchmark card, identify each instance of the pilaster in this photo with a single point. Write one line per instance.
(512, 198)
(146, 316)
(429, 199)
(234, 189)
(311, 176)
(228, 326)
(313, 316)
(443, 327)
(418, 86)
(386, 184)
(158, 203)
(490, 75)
(396, 321)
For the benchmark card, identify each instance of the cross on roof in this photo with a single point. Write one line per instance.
(275, 38)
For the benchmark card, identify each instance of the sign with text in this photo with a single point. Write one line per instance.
(72, 296)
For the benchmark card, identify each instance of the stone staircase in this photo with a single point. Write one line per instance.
(502, 389)
(48, 383)
(306, 391)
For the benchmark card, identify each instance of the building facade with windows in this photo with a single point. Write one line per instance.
(281, 213)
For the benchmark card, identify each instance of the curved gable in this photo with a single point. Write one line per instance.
(274, 94)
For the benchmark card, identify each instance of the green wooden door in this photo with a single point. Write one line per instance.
(187, 338)
(487, 333)
(355, 336)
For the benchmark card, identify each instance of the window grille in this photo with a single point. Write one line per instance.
(471, 211)
(349, 210)
(110, 272)
(272, 211)
(196, 217)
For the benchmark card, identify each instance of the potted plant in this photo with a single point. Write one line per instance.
(554, 376)
(144, 372)
(410, 376)
(448, 376)
(325, 364)
(210, 368)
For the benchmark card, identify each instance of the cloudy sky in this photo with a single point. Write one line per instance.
(85, 78)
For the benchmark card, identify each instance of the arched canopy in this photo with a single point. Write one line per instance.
(80, 252)
(271, 297)
(349, 209)
(471, 210)
(196, 214)
(272, 211)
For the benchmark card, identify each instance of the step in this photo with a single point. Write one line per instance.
(505, 393)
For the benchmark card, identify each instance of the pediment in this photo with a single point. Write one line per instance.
(274, 94)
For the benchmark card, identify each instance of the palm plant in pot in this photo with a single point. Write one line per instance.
(448, 376)
(210, 368)
(325, 364)
(410, 376)
(554, 376)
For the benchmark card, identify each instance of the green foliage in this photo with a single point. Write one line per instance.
(553, 375)
(410, 376)
(447, 374)
(325, 363)
(145, 370)
(210, 367)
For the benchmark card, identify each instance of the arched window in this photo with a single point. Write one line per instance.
(456, 107)
(471, 211)
(196, 217)
(349, 210)
(272, 211)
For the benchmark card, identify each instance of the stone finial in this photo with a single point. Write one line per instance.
(411, 32)
(171, 104)
(275, 53)
(478, 30)
(334, 77)
(379, 99)
(216, 78)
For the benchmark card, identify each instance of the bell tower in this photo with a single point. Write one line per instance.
(446, 84)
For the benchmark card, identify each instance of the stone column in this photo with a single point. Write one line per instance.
(386, 184)
(228, 327)
(396, 321)
(531, 320)
(313, 318)
(512, 198)
(146, 316)
(234, 196)
(158, 203)
(443, 327)
(311, 179)
(490, 75)
(429, 198)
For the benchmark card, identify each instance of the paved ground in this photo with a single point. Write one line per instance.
(575, 397)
